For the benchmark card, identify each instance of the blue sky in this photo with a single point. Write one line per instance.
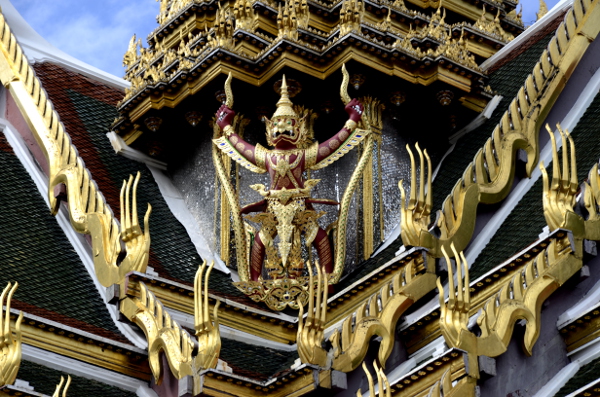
(98, 31)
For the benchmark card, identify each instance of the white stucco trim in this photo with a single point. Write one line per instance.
(589, 302)
(475, 123)
(85, 370)
(558, 381)
(126, 151)
(38, 49)
(586, 353)
(177, 205)
(579, 357)
(77, 240)
(521, 39)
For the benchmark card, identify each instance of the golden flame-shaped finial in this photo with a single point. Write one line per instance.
(284, 105)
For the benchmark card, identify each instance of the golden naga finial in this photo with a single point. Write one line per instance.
(162, 333)
(454, 315)
(10, 344)
(456, 220)
(310, 331)
(559, 194)
(137, 242)
(519, 299)
(60, 385)
(207, 331)
(384, 385)
(559, 197)
(166, 335)
(591, 199)
(415, 215)
(378, 316)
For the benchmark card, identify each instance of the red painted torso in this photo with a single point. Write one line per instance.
(285, 168)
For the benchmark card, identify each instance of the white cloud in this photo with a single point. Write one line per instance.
(95, 32)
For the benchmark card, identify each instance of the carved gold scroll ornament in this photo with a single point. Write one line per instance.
(549, 268)
(377, 316)
(88, 211)
(520, 299)
(165, 335)
(489, 178)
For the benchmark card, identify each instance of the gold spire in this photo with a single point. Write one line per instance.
(284, 105)
(542, 11)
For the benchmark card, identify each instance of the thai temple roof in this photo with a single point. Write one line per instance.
(462, 234)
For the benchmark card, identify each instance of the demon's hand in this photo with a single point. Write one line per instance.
(224, 116)
(355, 110)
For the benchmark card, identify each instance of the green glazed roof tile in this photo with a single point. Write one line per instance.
(36, 253)
(586, 375)
(44, 380)
(526, 221)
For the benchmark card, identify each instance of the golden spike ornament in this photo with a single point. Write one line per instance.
(542, 11)
(456, 220)
(59, 387)
(10, 339)
(246, 17)
(559, 192)
(351, 16)
(106, 240)
(519, 299)
(384, 389)
(207, 331)
(415, 214)
(310, 330)
(489, 178)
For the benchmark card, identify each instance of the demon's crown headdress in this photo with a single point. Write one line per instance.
(285, 109)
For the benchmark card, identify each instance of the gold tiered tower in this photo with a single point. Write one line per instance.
(424, 43)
